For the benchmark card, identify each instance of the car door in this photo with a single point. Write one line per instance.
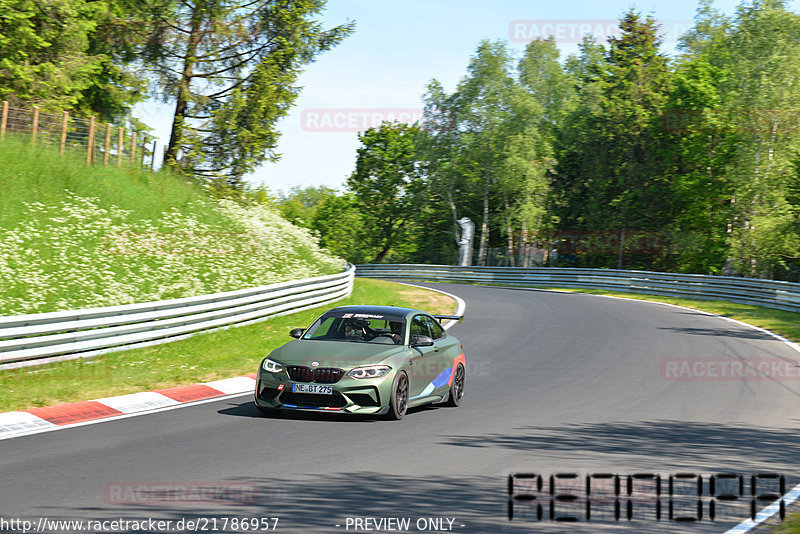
(424, 360)
(447, 348)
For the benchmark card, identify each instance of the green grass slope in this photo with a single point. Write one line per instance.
(73, 236)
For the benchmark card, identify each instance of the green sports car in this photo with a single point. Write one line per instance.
(377, 360)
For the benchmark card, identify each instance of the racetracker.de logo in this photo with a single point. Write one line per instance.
(768, 368)
(562, 31)
(355, 119)
(192, 493)
(575, 30)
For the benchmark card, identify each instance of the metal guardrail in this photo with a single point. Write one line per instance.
(768, 293)
(45, 337)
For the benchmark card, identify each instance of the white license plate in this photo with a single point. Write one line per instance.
(312, 388)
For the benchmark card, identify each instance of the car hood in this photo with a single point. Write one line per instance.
(342, 354)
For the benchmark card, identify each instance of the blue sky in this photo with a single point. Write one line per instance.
(400, 45)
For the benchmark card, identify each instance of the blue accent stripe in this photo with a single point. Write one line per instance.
(443, 378)
(439, 381)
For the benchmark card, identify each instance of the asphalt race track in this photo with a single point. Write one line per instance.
(556, 383)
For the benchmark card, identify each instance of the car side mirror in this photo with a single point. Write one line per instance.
(421, 341)
(297, 333)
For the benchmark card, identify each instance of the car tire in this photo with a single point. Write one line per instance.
(457, 387)
(398, 403)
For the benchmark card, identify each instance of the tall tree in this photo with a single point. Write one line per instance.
(747, 66)
(450, 174)
(483, 100)
(66, 55)
(230, 67)
(489, 142)
(698, 148)
(387, 184)
(613, 159)
(533, 155)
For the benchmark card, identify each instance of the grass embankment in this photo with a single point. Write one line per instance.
(201, 358)
(73, 236)
(791, 526)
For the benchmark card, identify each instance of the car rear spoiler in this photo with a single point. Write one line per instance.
(441, 318)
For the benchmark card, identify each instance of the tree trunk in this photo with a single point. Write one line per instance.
(184, 92)
(509, 232)
(382, 254)
(625, 207)
(454, 212)
(524, 258)
(484, 224)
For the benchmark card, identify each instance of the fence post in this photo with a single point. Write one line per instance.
(90, 148)
(108, 143)
(4, 120)
(133, 147)
(120, 145)
(35, 124)
(153, 158)
(64, 119)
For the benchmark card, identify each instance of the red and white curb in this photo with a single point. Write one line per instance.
(48, 418)
(35, 420)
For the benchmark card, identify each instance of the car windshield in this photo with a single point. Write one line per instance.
(358, 328)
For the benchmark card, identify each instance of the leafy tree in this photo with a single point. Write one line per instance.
(553, 88)
(300, 205)
(118, 83)
(63, 55)
(697, 150)
(230, 66)
(483, 100)
(616, 166)
(340, 222)
(488, 144)
(763, 58)
(744, 69)
(386, 184)
(449, 173)
(531, 157)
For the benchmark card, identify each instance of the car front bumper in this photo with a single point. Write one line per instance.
(350, 395)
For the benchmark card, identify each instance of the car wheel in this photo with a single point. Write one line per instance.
(457, 387)
(398, 404)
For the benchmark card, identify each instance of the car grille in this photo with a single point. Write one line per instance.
(323, 375)
(313, 399)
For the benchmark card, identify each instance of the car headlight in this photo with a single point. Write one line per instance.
(369, 371)
(271, 366)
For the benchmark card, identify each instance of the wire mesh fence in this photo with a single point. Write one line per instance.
(102, 143)
(520, 256)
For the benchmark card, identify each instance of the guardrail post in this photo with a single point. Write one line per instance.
(108, 143)
(90, 147)
(120, 145)
(34, 124)
(64, 120)
(4, 120)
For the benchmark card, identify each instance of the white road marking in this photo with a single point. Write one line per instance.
(238, 384)
(138, 402)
